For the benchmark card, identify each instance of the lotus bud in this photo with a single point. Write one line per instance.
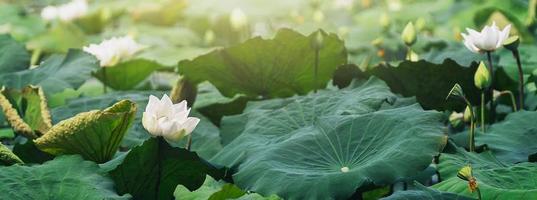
(512, 43)
(209, 37)
(409, 34)
(467, 116)
(482, 76)
(420, 24)
(238, 19)
(455, 118)
(384, 20)
(318, 16)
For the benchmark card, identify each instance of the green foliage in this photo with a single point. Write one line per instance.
(7, 157)
(127, 75)
(331, 143)
(154, 169)
(268, 68)
(424, 193)
(66, 177)
(429, 82)
(95, 135)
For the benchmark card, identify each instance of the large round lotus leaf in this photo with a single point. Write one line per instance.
(332, 143)
(512, 140)
(277, 67)
(424, 193)
(513, 182)
(95, 135)
(66, 177)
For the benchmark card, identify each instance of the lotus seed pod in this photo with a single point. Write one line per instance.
(512, 43)
(482, 76)
(409, 34)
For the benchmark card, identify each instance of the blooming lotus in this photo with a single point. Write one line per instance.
(66, 12)
(171, 121)
(489, 39)
(110, 52)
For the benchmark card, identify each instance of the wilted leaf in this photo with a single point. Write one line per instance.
(7, 157)
(95, 135)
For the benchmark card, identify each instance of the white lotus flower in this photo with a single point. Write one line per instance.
(65, 12)
(238, 19)
(489, 39)
(171, 121)
(110, 52)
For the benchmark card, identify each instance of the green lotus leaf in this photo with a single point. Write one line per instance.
(450, 164)
(512, 140)
(66, 177)
(429, 82)
(154, 169)
(55, 74)
(127, 75)
(527, 59)
(512, 182)
(7, 157)
(218, 190)
(58, 39)
(331, 143)
(26, 110)
(277, 67)
(205, 138)
(95, 135)
(13, 55)
(424, 193)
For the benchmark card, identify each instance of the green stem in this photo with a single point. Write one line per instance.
(316, 70)
(520, 80)
(189, 143)
(472, 126)
(513, 101)
(105, 80)
(35, 57)
(478, 194)
(483, 111)
(408, 53)
(160, 144)
(492, 117)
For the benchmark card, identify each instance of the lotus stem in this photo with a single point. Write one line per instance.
(160, 144)
(189, 143)
(516, 54)
(512, 96)
(491, 88)
(35, 57)
(478, 193)
(472, 126)
(316, 70)
(483, 111)
(105, 80)
(408, 53)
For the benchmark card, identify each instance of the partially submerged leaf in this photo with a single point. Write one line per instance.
(277, 67)
(95, 135)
